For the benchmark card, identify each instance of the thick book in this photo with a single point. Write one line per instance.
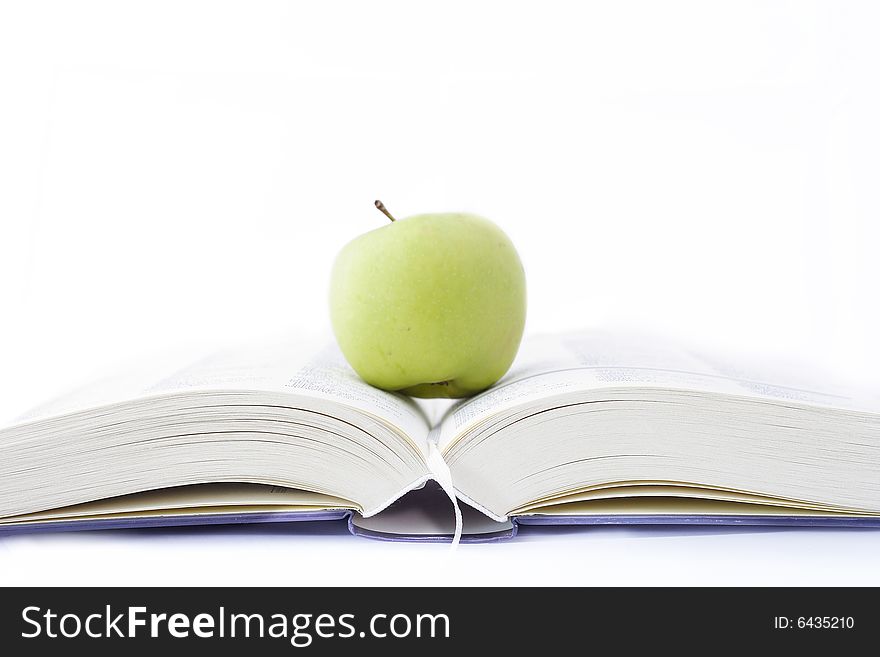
(587, 428)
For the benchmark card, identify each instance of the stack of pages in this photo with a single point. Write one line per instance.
(586, 428)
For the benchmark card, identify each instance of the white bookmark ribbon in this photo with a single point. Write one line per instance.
(443, 476)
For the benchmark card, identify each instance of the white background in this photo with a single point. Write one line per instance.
(178, 175)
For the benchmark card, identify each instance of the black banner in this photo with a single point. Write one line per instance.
(403, 620)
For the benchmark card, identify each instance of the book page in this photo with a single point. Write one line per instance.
(683, 506)
(190, 498)
(329, 376)
(262, 366)
(307, 367)
(316, 369)
(550, 365)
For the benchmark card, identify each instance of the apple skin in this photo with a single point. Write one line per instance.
(433, 305)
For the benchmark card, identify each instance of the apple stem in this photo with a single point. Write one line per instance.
(383, 209)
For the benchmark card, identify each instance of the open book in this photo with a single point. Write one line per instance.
(586, 428)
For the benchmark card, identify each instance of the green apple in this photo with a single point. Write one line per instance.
(433, 305)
